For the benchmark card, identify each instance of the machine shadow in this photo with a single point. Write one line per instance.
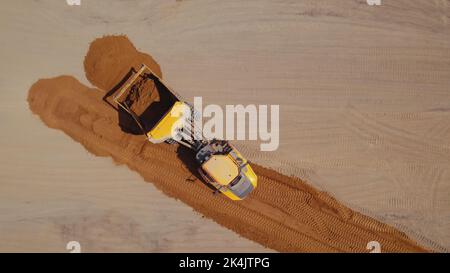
(154, 112)
(151, 115)
(187, 156)
(126, 122)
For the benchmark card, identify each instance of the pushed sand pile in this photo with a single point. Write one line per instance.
(110, 58)
(283, 213)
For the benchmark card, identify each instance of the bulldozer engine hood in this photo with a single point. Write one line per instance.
(221, 168)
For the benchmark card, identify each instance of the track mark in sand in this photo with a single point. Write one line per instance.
(283, 213)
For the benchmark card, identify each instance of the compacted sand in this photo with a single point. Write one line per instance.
(364, 96)
(284, 213)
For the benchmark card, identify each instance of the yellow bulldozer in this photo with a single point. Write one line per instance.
(162, 116)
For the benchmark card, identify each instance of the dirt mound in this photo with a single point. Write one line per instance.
(110, 58)
(283, 213)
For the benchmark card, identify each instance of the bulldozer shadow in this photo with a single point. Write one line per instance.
(152, 113)
(187, 156)
(126, 122)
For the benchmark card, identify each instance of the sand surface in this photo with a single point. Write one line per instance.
(284, 213)
(364, 95)
(51, 190)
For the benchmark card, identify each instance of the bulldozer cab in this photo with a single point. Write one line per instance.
(222, 169)
(225, 168)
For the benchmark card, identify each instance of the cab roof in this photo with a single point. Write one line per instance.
(221, 168)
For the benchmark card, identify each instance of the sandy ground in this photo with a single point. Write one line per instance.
(363, 91)
(52, 191)
(284, 213)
